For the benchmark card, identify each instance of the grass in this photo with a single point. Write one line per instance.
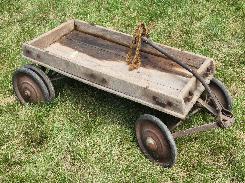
(88, 135)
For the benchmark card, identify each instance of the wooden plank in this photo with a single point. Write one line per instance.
(52, 36)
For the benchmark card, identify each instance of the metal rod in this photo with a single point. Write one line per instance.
(194, 130)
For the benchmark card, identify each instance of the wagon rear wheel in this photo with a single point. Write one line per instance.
(220, 92)
(155, 140)
(29, 87)
(44, 78)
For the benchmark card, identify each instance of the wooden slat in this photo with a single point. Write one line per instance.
(52, 36)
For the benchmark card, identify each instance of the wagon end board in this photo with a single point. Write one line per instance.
(96, 56)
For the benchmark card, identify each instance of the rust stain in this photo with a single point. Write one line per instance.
(170, 104)
(96, 79)
(158, 102)
(103, 81)
(189, 97)
(38, 56)
(28, 52)
(92, 76)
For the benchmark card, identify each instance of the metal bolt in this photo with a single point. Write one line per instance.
(151, 144)
(27, 93)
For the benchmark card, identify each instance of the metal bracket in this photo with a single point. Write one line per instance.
(204, 104)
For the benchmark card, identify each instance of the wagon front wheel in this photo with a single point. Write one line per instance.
(29, 87)
(155, 140)
(220, 92)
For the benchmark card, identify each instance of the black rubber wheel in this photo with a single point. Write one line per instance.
(155, 140)
(29, 87)
(221, 93)
(45, 79)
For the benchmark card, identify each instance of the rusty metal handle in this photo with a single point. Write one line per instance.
(224, 117)
(217, 104)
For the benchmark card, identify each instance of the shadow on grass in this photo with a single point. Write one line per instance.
(106, 104)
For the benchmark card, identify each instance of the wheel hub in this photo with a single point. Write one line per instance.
(27, 93)
(154, 142)
(29, 90)
(29, 86)
(151, 144)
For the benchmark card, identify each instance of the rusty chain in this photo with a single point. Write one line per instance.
(139, 32)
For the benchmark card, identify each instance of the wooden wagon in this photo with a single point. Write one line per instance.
(96, 56)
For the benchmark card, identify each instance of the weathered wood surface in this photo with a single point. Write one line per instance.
(125, 40)
(50, 37)
(100, 62)
(106, 50)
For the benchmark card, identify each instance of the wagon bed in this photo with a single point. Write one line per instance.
(96, 56)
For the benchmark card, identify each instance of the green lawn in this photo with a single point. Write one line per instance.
(88, 135)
